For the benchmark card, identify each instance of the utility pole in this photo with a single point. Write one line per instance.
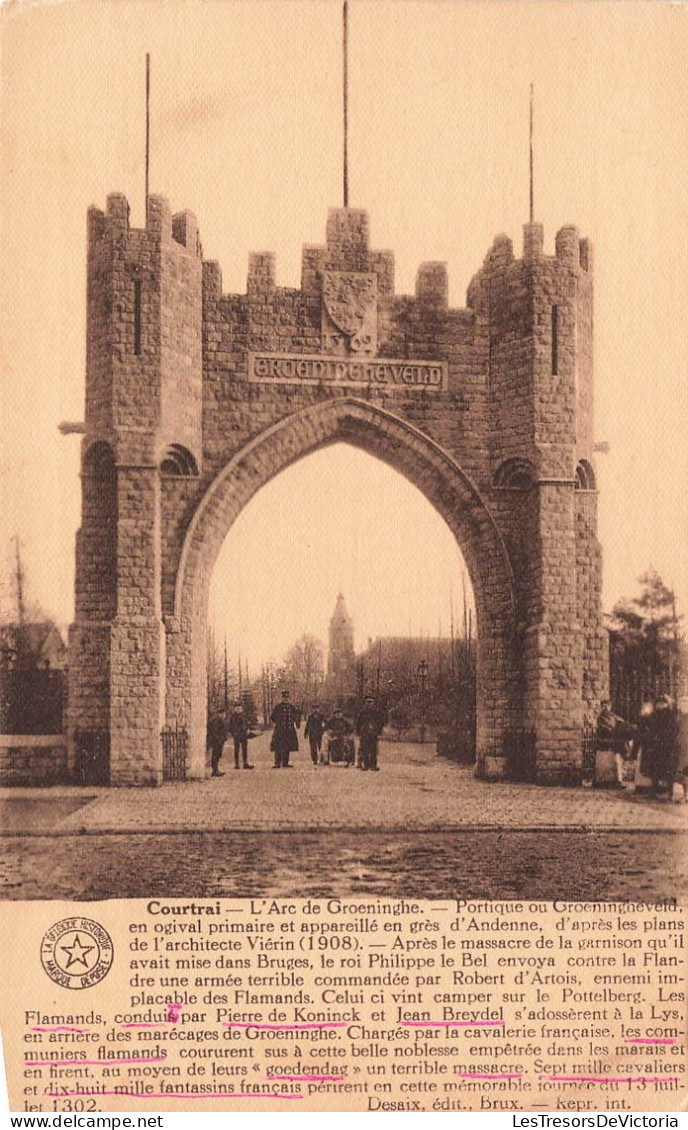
(423, 675)
(20, 594)
(226, 682)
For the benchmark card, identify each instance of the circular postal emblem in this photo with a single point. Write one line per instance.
(77, 953)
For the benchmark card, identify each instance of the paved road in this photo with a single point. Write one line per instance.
(509, 864)
(415, 789)
(420, 827)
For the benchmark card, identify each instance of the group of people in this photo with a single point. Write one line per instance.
(237, 726)
(322, 733)
(655, 745)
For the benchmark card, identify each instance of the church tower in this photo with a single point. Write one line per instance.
(341, 661)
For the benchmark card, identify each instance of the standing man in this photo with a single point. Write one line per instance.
(315, 728)
(217, 736)
(238, 728)
(286, 719)
(663, 745)
(612, 734)
(369, 725)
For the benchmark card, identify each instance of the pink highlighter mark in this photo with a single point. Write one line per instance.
(89, 1062)
(477, 1075)
(643, 1040)
(218, 1095)
(283, 1027)
(60, 1028)
(610, 1079)
(308, 1078)
(450, 1023)
(157, 1024)
(172, 1017)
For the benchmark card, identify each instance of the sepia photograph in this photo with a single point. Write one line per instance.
(344, 462)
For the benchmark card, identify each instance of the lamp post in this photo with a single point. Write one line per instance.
(423, 676)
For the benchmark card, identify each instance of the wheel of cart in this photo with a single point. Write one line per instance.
(341, 750)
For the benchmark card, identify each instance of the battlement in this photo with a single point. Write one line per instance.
(569, 248)
(199, 398)
(432, 284)
(180, 228)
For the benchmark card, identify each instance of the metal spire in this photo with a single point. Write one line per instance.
(345, 106)
(147, 124)
(532, 198)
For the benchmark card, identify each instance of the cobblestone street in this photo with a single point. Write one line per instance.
(421, 827)
(544, 865)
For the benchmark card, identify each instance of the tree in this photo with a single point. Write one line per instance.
(248, 702)
(222, 677)
(305, 667)
(33, 658)
(645, 646)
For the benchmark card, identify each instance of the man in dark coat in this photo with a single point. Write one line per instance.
(217, 736)
(315, 728)
(286, 719)
(369, 725)
(239, 729)
(663, 745)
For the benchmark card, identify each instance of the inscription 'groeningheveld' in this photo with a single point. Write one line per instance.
(287, 368)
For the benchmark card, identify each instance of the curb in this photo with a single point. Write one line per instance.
(372, 829)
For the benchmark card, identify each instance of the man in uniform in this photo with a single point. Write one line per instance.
(239, 729)
(217, 736)
(369, 725)
(286, 719)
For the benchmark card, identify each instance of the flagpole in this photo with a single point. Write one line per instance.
(147, 127)
(530, 154)
(345, 107)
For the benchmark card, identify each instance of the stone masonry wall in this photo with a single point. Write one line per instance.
(168, 363)
(33, 760)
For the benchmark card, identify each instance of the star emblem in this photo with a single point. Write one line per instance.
(77, 952)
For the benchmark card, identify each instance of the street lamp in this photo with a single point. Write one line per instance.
(423, 676)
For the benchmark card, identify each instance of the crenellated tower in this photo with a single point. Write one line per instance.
(144, 382)
(196, 398)
(536, 317)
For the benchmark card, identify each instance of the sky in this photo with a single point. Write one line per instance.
(246, 132)
(337, 521)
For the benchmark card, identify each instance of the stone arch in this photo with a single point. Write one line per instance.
(178, 461)
(97, 538)
(585, 476)
(425, 464)
(514, 474)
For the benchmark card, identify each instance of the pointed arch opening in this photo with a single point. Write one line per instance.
(445, 486)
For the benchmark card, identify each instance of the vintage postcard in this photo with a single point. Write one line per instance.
(343, 681)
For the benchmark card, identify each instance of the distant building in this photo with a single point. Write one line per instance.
(341, 659)
(33, 678)
(38, 644)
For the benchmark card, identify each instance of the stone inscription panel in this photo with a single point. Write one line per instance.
(309, 369)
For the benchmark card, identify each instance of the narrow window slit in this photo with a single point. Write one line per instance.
(137, 317)
(555, 341)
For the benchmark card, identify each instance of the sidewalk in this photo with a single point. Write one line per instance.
(415, 790)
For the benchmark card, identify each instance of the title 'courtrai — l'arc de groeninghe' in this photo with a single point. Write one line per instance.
(195, 399)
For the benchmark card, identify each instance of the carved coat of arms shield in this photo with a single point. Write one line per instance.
(349, 298)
